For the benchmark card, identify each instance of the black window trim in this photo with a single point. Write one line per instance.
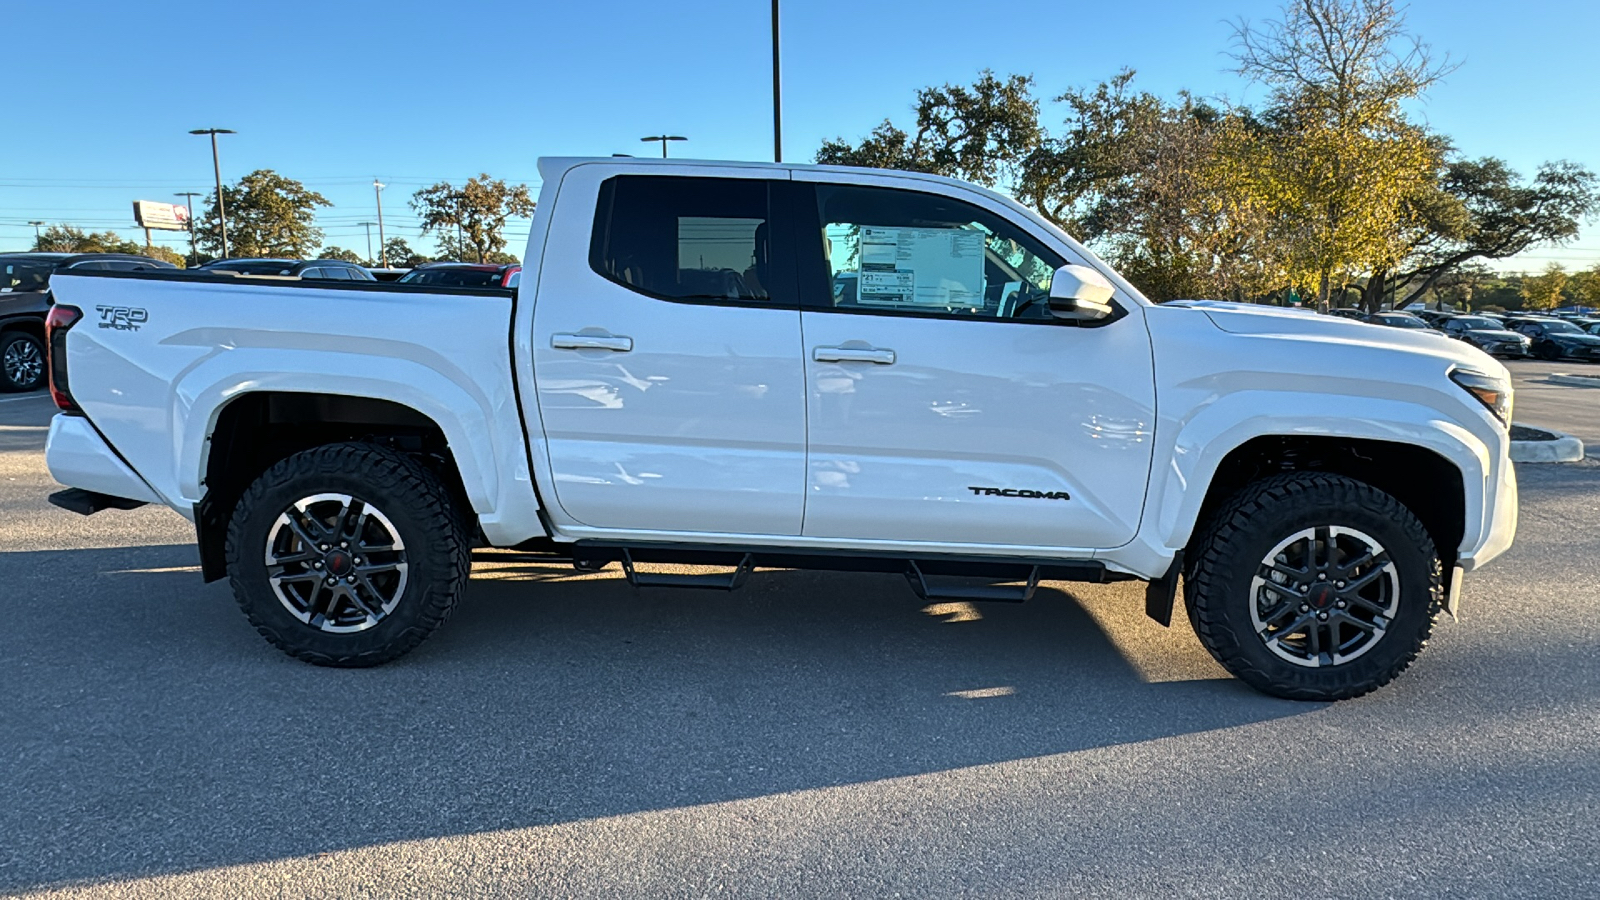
(817, 297)
(781, 294)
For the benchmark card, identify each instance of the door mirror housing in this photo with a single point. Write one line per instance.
(1080, 293)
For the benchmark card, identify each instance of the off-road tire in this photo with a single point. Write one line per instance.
(412, 498)
(1235, 539)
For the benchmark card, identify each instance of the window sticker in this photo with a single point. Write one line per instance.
(923, 267)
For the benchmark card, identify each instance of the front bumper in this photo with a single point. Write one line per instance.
(79, 457)
(1499, 526)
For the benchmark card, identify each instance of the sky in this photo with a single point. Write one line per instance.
(338, 92)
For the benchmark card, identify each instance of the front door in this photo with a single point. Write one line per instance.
(667, 354)
(946, 404)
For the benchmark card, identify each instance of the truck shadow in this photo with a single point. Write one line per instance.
(150, 730)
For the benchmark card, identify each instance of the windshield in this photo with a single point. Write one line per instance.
(1403, 321)
(1561, 328)
(453, 277)
(25, 275)
(1478, 323)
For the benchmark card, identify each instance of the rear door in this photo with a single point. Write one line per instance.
(666, 351)
(946, 405)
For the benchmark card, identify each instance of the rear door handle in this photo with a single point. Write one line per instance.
(569, 341)
(853, 354)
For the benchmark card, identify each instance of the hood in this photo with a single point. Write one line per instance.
(1587, 340)
(1496, 334)
(1305, 325)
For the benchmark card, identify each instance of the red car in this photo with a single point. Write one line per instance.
(454, 274)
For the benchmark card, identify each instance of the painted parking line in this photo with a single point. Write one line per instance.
(43, 395)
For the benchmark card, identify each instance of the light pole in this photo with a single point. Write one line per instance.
(194, 254)
(383, 250)
(369, 240)
(216, 168)
(36, 237)
(663, 138)
(777, 96)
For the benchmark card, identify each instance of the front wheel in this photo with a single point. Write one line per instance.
(347, 554)
(1313, 586)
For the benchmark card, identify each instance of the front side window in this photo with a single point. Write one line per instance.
(681, 238)
(24, 276)
(897, 251)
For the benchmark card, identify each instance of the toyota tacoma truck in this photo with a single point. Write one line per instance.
(747, 366)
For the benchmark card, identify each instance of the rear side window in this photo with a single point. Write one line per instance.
(24, 276)
(694, 239)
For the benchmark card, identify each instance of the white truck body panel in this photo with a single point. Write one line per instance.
(156, 392)
(719, 426)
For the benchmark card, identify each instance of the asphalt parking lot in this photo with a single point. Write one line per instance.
(813, 735)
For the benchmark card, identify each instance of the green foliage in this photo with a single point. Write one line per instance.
(1328, 190)
(399, 254)
(1544, 291)
(342, 254)
(1585, 286)
(71, 239)
(268, 215)
(479, 209)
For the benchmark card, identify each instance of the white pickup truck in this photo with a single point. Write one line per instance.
(754, 366)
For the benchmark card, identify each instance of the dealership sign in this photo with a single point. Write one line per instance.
(167, 216)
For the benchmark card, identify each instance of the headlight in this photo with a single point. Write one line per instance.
(1492, 392)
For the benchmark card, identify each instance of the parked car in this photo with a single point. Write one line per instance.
(1348, 313)
(1430, 317)
(381, 274)
(24, 302)
(1400, 320)
(1556, 339)
(1487, 335)
(459, 274)
(683, 384)
(308, 269)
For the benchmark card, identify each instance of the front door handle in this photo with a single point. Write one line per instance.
(582, 341)
(854, 354)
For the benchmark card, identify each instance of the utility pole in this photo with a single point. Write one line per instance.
(194, 253)
(777, 94)
(369, 240)
(383, 251)
(36, 237)
(216, 168)
(663, 138)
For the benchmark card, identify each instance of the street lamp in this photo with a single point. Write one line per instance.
(663, 138)
(777, 97)
(36, 237)
(216, 167)
(194, 254)
(383, 249)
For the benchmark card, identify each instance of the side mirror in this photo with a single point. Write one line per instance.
(1080, 293)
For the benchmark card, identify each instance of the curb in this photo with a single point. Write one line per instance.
(1564, 448)
(1575, 380)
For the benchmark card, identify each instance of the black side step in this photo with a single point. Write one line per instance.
(720, 581)
(594, 555)
(994, 593)
(87, 503)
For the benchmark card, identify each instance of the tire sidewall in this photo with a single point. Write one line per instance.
(1231, 597)
(428, 564)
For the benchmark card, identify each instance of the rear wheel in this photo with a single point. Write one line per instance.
(21, 361)
(347, 555)
(1313, 586)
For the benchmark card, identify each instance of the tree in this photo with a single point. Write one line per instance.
(343, 254)
(268, 215)
(1585, 286)
(479, 208)
(400, 254)
(980, 133)
(1341, 163)
(71, 239)
(1544, 291)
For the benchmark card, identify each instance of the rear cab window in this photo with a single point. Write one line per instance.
(686, 238)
